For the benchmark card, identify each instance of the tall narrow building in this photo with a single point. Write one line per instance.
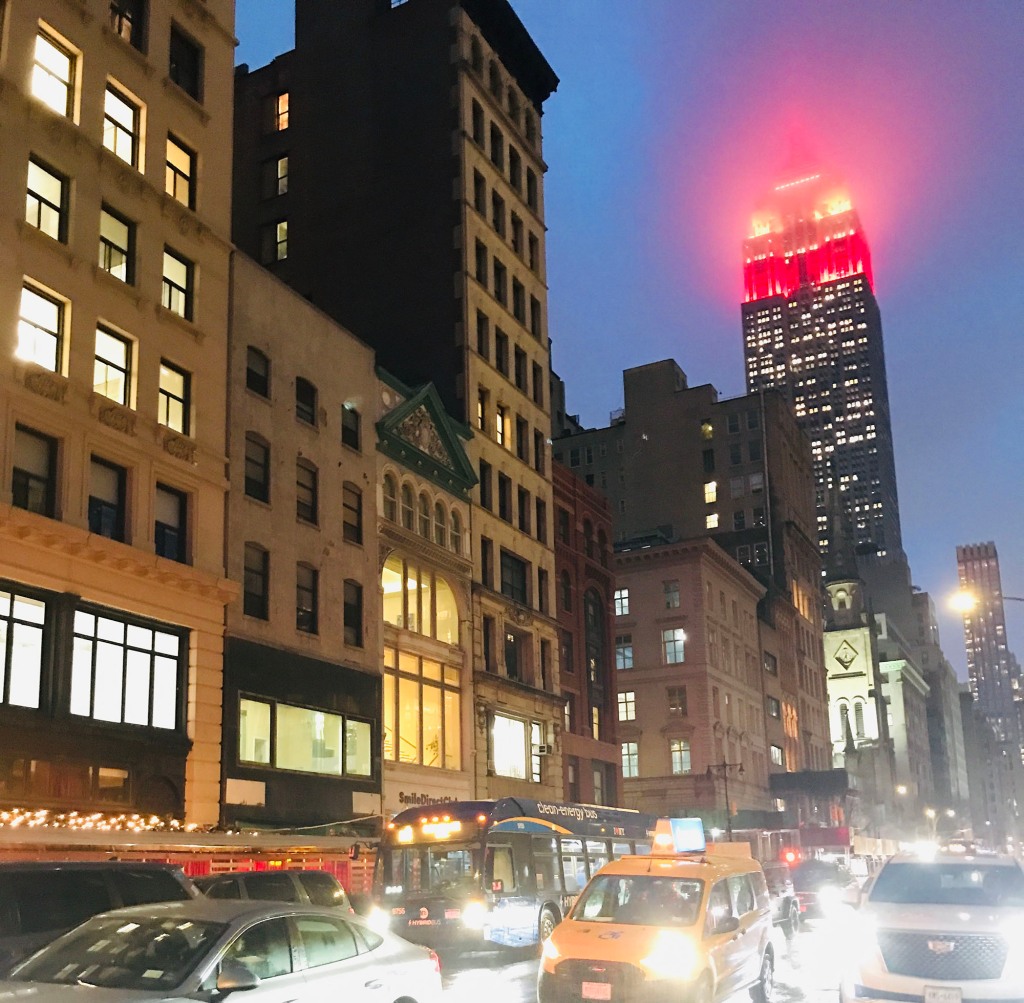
(812, 328)
(390, 170)
(995, 676)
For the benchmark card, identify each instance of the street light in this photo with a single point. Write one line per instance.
(964, 601)
(722, 769)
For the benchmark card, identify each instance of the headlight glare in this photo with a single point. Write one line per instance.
(473, 915)
(673, 956)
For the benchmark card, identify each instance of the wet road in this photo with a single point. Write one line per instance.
(807, 970)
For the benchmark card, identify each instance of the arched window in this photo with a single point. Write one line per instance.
(408, 514)
(844, 718)
(593, 630)
(425, 516)
(440, 525)
(476, 56)
(390, 498)
(588, 538)
(565, 591)
(495, 79)
(602, 546)
(417, 600)
(858, 718)
(305, 401)
(456, 533)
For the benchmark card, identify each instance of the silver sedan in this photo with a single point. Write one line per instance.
(277, 953)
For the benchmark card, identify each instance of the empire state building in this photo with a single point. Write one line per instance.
(812, 329)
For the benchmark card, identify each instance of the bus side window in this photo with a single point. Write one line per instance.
(574, 867)
(621, 850)
(597, 855)
(502, 870)
(546, 872)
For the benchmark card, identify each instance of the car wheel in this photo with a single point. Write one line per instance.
(763, 991)
(548, 922)
(792, 923)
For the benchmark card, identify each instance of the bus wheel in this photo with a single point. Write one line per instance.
(547, 924)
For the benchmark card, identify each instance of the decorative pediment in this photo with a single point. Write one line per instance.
(418, 433)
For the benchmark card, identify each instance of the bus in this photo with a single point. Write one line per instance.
(504, 872)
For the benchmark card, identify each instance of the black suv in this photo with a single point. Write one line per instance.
(306, 887)
(39, 901)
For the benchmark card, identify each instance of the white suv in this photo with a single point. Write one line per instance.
(941, 929)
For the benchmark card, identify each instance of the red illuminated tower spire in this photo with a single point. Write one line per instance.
(812, 329)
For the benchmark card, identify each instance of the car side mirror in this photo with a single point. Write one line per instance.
(726, 924)
(235, 977)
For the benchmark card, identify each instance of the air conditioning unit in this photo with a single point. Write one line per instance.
(545, 750)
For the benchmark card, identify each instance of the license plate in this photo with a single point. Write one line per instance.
(603, 991)
(940, 994)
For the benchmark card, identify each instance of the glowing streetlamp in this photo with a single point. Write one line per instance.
(965, 601)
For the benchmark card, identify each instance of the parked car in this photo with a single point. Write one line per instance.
(823, 887)
(782, 895)
(40, 900)
(941, 929)
(317, 888)
(205, 949)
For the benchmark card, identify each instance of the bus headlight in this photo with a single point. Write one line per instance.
(378, 919)
(672, 956)
(474, 915)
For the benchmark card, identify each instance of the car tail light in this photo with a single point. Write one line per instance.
(437, 962)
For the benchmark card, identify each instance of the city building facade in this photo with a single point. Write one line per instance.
(302, 677)
(584, 587)
(113, 316)
(433, 185)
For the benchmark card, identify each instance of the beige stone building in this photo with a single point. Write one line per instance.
(425, 482)
(690, 693)
(302, 665)
(114, 212)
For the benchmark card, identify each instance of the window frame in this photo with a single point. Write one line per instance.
(115, 130)
(169, 286)
(189, 78)
(180, 553)
(57, 337)
(99, 507)
(61, 47)
(126, 370)
(174, 176)
(165, 397)
(307, 492)
(351, 427)
(21, 488)
(59, 210)
(352, 513)
(252, 353)
(253, 487)
(108, 247)
(307, 598)
(352, 613)
(306, 401)
(256, 570)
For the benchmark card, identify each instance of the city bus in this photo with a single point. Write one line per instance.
(468, 873)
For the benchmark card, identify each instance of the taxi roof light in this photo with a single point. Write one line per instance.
(679, 835)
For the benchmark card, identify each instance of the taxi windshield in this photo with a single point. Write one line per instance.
(640, 900)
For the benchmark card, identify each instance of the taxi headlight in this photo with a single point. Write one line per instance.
(549, 954)
(378, 919)
(672, 956)
(474, 915)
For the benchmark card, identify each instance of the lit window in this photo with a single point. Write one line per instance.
(126, 20)
(630, 759)
(46, 201)
(679, 750)
(710, 492)
(422, 711)
(117, 245)
(40, 329)
(509, 742)
(174, 404)
(177, 284)
(673, 641)
(778, 757)
(274, 242)
(624, 651)
(773, 707)
(126, 671)
(417, 600)
(627, 706)
(275, 177)
(121, 125)
(181, 169)
(277, 112)
(622, 602)
(711, 521)
(112, 366)
(53, 74)
(23, 619)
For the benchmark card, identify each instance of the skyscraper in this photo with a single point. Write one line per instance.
(994, 672)
(812, 328)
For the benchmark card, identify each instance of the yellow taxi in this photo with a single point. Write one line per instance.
(687, 922)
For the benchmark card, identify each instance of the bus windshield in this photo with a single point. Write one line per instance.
(446, 869)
